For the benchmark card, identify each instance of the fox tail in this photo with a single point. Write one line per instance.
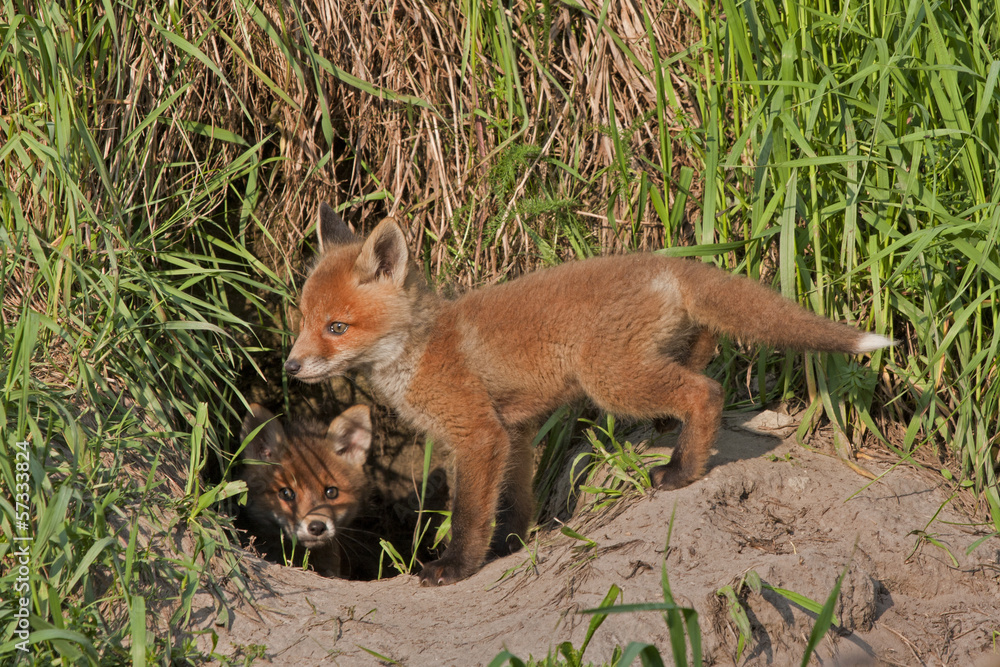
(747, 311)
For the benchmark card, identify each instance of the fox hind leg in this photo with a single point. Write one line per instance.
(517, 501)
(662, 387)
(702, 351)
(691, 453)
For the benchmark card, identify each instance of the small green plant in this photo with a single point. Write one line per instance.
(799, 599)
(587, 542)
(681, 621)
(530, 563)
(611, 469)
(925, 537)
(929, 538)
(972, 547)
(290, 549)
(382, 658)
(750, 581)
(518, 195)
(732, 594)
(405, 565)
(824, 617)
(248, 653)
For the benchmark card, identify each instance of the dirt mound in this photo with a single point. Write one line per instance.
(795, 517)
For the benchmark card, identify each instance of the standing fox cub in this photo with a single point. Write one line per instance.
(309, 486)
(632, 333)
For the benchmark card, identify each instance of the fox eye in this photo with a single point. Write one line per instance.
(286, 494)
(338, 328)
(332, 492)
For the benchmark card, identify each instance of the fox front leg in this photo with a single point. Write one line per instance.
(480, 462)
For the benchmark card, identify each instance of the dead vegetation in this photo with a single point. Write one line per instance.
(454, 120)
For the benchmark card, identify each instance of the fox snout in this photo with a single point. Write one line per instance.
(313, 532)
(313, 358)
(317, 528)
(312, 369)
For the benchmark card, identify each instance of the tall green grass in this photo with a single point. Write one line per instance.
(857, 157)
(120, 280)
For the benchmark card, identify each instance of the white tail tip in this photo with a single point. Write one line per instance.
(871, 342)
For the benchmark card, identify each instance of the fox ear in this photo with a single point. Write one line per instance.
(333, 230)
(269, 441)
(384, 255)
(351, 434)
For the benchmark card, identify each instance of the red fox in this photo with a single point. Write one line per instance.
(478, 373)
(310, 486)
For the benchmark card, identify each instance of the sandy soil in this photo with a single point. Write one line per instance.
(794, 516)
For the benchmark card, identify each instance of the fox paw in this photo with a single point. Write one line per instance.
(443, 571)
(669, 477)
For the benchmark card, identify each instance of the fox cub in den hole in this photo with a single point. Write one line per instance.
(308, 488)
(479, 373)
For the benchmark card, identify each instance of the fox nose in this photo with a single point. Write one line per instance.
(317, 527)
(293, 366)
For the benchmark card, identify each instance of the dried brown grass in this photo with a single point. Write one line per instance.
(435, 162)
(429, 164)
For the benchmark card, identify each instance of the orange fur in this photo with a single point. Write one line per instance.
(632, 333)
(309, 486)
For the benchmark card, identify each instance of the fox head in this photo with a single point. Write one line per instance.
(356, 303)
(310, 485)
